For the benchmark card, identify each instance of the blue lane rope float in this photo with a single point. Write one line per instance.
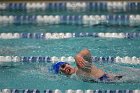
(66, 91)
(46, 36)
(88, 20)
(38, 59)
(97, 6)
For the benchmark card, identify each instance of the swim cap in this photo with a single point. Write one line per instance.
(57, 66)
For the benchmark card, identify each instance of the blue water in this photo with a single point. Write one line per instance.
(37, 75)
(32, 28)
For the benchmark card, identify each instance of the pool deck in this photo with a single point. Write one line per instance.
(61, 0)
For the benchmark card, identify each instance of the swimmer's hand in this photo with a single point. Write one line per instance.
(80, 61)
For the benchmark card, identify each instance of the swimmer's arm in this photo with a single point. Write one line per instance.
(84, 52)
(83, 59)
(80, 61)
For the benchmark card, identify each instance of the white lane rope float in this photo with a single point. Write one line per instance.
(46, 36)
(109, 59)
(94, 6)
(88, 20)
(66, 91)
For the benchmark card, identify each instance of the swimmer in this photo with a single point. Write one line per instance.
(85, 70)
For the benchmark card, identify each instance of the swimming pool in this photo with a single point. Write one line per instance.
(31, 40)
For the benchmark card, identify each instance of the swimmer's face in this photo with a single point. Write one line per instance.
(66, 69)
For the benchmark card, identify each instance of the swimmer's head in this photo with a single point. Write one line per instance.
(63, 67)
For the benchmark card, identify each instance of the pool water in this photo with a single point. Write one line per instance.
(39, 76)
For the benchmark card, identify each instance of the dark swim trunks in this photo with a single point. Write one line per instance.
(104, 78)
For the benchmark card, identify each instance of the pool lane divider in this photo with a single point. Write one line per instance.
(46, 36)
(66, 91)
(96, 6)
(86, 20)
(53, 59)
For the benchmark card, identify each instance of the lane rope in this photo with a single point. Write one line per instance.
(47, 36)
(96, 6)
(89, 20)
(109, 59)
(66, 91)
